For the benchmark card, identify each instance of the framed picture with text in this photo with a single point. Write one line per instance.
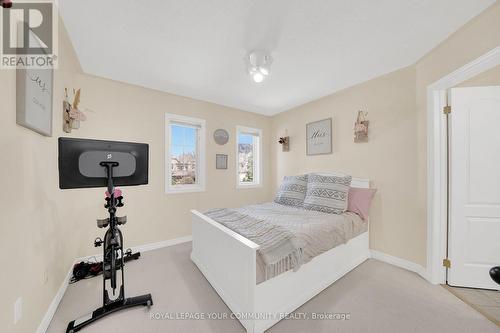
(319, 137)
(34, 99)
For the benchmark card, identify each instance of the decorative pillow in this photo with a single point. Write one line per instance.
(292, 191)
(360, 200)
(327, 194)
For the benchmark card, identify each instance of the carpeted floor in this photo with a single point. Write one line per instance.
(378, 298)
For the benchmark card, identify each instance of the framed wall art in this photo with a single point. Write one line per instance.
(221, 161)
(34, 89)
(319, 137)
(34, 99)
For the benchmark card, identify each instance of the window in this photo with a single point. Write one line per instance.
(185, 154)
(248, 160)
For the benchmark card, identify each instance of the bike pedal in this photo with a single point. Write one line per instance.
(98, 242)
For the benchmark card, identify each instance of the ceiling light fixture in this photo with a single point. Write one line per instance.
(258, 77)
(259, 63)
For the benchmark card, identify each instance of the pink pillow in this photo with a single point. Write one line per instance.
(360, 200)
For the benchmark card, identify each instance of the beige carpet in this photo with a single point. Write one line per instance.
(379, 298)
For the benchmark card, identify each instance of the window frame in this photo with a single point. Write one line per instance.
(201, 148)
(257, 158)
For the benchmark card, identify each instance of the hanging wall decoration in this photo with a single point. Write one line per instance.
(284, 141)
(34, 99)
(221, 136)
(221, 161)
(361, 127)
(72, 114)
(319, 137)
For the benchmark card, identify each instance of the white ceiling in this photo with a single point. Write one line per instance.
(196, 48)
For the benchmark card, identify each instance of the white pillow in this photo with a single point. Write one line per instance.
(327, 194)
(292, 191)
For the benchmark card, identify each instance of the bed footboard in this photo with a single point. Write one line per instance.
(228, 261)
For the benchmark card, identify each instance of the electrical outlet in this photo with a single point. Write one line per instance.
(18, 310)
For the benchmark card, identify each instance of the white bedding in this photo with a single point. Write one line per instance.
(318, 232)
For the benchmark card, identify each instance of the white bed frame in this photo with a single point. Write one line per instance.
(228, 261)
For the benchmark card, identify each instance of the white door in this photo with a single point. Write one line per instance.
(474, 224)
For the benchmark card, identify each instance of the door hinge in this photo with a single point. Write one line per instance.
(447, 263)
(447, 109)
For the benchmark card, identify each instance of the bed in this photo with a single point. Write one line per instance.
(230, 263)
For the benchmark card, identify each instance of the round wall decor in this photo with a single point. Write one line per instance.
(221, 136)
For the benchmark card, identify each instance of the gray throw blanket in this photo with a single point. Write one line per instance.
(279, 248)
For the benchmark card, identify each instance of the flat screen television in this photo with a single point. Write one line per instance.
(79, 163)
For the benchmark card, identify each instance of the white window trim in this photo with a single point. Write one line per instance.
(201, 168)
(257, 183)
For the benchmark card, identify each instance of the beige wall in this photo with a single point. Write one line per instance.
(36, 251)
(388, 159)
(35, 238)
(130, 113)
(44, 229)
(395, 158)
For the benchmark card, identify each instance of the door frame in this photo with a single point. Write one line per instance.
(437, 173)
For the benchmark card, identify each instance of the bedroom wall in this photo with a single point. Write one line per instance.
(388, 159)
(35, 237)
(44, 229)
(130, 113)
(395, 157)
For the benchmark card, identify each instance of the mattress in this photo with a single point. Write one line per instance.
(316, 231)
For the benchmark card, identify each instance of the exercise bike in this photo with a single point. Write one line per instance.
(113, 254)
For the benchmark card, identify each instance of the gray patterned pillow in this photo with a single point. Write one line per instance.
(327, 194)
(292, 191)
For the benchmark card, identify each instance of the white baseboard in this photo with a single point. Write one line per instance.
(145, 247)
(55, 303)
(399, 262)
(159, 245)
(44, 325)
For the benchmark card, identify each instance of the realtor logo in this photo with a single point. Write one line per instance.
(29, 35)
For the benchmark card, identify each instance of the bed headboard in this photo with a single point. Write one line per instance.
(356, 182)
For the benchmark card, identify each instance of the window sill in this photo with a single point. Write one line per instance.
(244, 186)
(184, 190)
